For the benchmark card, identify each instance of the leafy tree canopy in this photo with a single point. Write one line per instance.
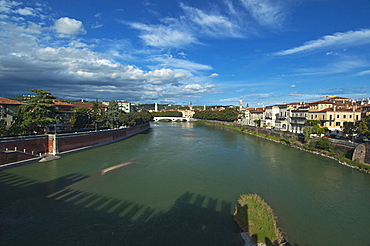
(37, 113)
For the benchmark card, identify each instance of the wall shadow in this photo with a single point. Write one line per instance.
(33, 213)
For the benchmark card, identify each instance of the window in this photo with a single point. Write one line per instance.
(331, 117)
(311, 117)
(329, 123)
(344, 116)
(337, 116)
(337, 123)
(350, 116)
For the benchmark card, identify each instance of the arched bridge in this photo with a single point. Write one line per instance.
(172, 118)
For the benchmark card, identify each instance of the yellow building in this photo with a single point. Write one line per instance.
(333, 113)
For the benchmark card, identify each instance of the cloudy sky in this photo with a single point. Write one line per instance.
(168, 51)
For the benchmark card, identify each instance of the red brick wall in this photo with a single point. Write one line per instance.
(8, 157)
(74, 141)
(44, 144)
(37, 144)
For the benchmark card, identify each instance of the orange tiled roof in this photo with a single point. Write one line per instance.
(10, 101)
(87, 105)
(62, 103)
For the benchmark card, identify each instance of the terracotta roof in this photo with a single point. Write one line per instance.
(339, 110)
(9, 101)
(322, 101)
(257, 110)
(87, 105)
(62, 103)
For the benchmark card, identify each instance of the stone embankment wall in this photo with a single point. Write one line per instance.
(22, 148)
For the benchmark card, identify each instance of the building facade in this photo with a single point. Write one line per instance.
(7, 110)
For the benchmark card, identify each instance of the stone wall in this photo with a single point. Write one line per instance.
(21, 148)
(362, 153)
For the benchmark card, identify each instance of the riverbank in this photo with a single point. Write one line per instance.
(257, 221)
(293, 142)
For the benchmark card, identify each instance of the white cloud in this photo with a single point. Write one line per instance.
(338, 39)
(214, 75)
(6, 6)
(169, 61)
(266, 12)
(342, 65)
(293, 86)
(366, 72)
(68, 27)
(25, 11)
(213, 25)
(172, 35)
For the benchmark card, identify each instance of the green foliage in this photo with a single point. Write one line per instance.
(167, 114)
(113, 112)
(36, 114)
(308, 130)
(313, 122)
(258, 122)
(322, 143)
(256, 217)
(364, 126)
(134, 119)
(97, 114)
(2, 127)
(349, 128)
(229, 114)
(80, 119)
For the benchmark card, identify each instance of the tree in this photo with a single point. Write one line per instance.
(229, 114)
(97, 114)
(37, 113)
(81, 119)
(363, 127)
(113, 112)
(316, 129)
(349, 128)
(2, 127)
(323, 143)
(134, 119)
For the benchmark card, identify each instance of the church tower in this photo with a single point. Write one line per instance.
(191, 105)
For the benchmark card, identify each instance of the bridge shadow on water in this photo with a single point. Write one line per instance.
(51, 213)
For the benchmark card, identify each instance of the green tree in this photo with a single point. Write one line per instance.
(37, 113)
(97, 114)
(323, 143)
(363, 127)
(229, 114)
(134, 119)
(167, 114)
(81, 118)
(2, 127)
(349, 128)
(113, 112)
(316, 129)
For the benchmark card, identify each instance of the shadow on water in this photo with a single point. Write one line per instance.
(51, 213)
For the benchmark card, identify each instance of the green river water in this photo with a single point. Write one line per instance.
(181, 190)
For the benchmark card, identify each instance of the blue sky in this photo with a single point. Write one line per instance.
(208, 52)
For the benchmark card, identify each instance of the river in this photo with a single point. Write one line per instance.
(181, 189)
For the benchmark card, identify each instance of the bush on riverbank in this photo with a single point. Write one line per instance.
(256, 217)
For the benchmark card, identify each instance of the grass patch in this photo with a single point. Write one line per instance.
(256, 217)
